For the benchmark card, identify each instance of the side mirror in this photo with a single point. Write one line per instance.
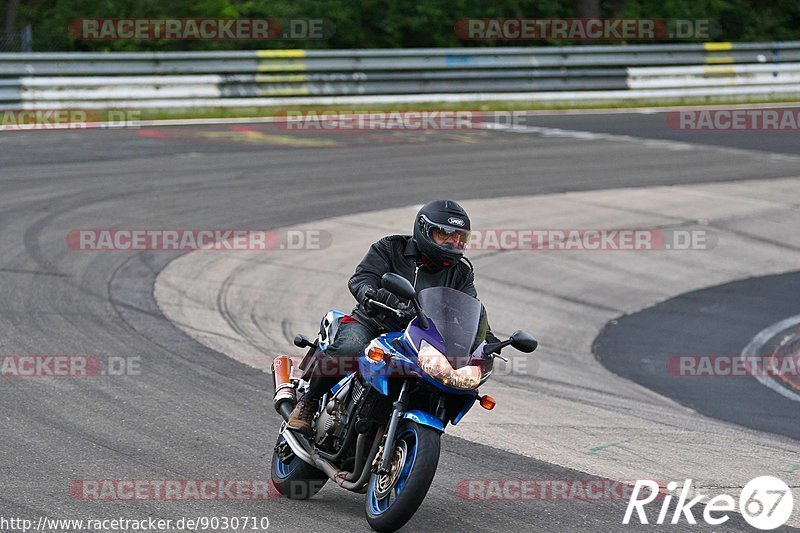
(398, 285)
(524, 342)
(301, 341)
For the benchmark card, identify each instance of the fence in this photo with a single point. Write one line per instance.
(17, 41)
(713, 71)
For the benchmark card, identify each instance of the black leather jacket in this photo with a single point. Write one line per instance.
(398, 254)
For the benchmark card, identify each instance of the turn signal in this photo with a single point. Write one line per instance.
(376, 354)
(487, 402)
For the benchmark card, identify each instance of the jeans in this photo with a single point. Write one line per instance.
(350, 341)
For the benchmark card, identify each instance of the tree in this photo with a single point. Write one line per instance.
(10, 16)
(588, 9)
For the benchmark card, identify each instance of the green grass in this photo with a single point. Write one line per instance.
(248, 112)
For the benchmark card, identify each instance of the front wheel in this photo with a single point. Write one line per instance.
(393, 498)
(293, 477)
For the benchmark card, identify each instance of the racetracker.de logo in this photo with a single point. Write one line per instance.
(592, 239)
(580, 29)
(116, 490)
(67, 366)
(199, 29)
(52, 119)
(774, 119)
(327, 120)
(238, 240)
(49, 119)
(518, 490)
(735, 365)
(345, 364)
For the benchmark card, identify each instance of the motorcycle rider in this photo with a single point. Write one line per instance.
(432, 257)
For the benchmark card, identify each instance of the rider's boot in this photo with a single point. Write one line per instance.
(301, 417)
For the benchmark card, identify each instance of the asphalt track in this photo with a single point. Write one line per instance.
(719, 322)
(193, 413)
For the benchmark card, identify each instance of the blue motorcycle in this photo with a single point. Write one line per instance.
(377, 430)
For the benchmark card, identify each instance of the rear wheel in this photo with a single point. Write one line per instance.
(293, 477)
(393, 498)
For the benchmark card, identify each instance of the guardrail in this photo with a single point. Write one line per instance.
(722, 71)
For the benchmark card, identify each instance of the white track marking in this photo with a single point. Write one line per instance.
(658, 144)
(759, 341)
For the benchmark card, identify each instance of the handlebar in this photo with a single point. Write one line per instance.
(410, 310)
(400, 313)
(493, 350)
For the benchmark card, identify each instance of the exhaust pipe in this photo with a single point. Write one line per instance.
(297, 447)
(340, 477)
(285, 395)
(308, 455)
(366, 470)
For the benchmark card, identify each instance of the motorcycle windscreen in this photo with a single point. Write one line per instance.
(459, 320)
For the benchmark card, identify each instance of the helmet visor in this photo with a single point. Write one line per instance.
(446, 236)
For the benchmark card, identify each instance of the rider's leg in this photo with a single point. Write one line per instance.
(349, 343)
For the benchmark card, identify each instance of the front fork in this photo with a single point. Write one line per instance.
(399, 408)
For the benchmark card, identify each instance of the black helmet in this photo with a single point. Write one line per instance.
(441, 232)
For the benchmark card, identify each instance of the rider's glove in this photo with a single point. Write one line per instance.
(365, 294)
(383, 296)
(387, 298)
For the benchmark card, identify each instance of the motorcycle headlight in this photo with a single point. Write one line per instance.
(436, 365)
